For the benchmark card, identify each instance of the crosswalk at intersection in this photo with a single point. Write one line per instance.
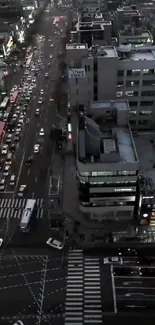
(13, 208)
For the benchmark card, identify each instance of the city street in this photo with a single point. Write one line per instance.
(36, 176)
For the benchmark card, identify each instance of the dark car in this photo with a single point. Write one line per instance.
(147, 272)
(127, 251)
(125, 271)
(29, 161)
(12, 148)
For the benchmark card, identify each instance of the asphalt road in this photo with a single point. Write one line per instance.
(36, 176)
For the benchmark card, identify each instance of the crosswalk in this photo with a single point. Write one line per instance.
(13, 208)
(83, 292)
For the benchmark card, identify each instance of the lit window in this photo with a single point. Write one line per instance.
(129, 93)
(119, 94)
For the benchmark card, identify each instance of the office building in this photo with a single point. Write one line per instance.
(137, 37)
(107, 73)
(107, 162)
(93, 29)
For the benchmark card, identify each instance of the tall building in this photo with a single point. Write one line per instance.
(107, 163)
(106, 73)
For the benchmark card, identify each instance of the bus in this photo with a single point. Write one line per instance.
(13, 98)
(28, 61)
(28, 213)
(4, 103)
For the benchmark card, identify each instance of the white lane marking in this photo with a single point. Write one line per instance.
(32, 195)
(20, 170)
(28, 171)
(113, 289)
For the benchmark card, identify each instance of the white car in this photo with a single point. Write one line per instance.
(51, 56)
(6, 170)
(21, 190)
(1, 242)
(113, 260)
(18, 129)
(37, 111)
(41, 132)
(21, 121)
(54, 243)
(2, 184)
(42, 92)
(40, 101)
(12, 180)
(36, 148)
(4, 149)
(18, 322)
(8, 139)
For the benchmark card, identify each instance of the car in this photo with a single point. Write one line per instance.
(51, 45)
(41, 132)
(40, 101)
(46, 75)
(37, 111)
(29, 161)
(51, 56)
(125, 271)
(18, 322)
(1, 242)
(2, 184)
(12, 180)
(4, 149)
(21, 121)
(16, 137)
(54, 243)
(147, 272)
(8, 139)
(18, 129)
(36, 148)
(15, 116)
(113, 260)
(5, 117)
(49, 64)
(6, 170)
(22, 190)
(42, 92)
(127, 251)
(12, 148)
(2, 163)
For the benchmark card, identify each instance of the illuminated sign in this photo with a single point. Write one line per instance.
(76, 73)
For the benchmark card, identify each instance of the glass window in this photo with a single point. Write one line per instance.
(119, 94)
(147, 93)
(120, 73)
(134, 103)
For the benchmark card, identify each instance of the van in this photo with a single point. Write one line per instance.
(9, 158)
(12, 180)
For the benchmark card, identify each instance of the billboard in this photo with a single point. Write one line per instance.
(76, 73)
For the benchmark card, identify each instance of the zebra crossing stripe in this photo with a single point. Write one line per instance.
(13, 208)
(83, 291)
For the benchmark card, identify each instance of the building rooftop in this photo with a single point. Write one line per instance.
(104, 134)
(105, 51)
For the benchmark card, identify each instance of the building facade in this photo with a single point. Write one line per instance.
(107, 73)
(107, 163)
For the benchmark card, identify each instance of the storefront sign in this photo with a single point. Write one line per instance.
(76, 73)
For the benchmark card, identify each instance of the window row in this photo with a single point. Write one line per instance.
(136, 72)
(132, 93)
(142, 103)
(110, 173)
